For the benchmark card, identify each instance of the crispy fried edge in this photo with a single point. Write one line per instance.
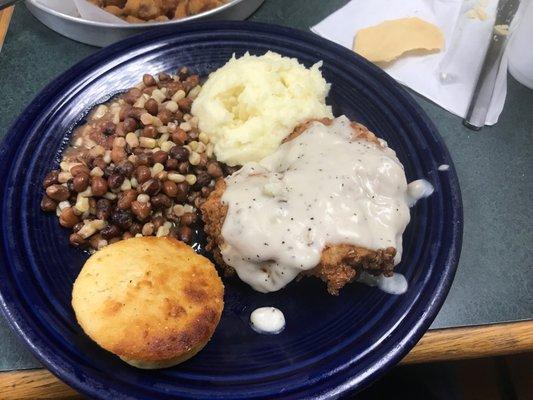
(339, 264)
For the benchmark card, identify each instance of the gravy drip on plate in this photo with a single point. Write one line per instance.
(395, 284)
(419, 189)
(323, 187)
(269, 320)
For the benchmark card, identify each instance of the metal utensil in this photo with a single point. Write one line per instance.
(480, 102)
(7, 3)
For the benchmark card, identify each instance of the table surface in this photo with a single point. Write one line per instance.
(493, 282)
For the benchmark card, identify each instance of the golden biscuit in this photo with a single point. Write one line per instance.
(152, 301)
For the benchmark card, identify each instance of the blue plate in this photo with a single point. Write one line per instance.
(331, 345)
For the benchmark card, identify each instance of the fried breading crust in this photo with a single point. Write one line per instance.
(339, 264)
(156, 10)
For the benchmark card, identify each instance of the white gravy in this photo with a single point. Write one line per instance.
(323, 187)
(395, 284)
(267, 320)
(417, 190)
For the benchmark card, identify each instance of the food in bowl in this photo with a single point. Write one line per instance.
(136, 11)
(330, 202)
(138, 167)
(248, 106)
(151, 301)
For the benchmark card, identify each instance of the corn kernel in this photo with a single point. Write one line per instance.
(185, 126)
(158, 96)
(194, 158)
(175, 177)
(148, 229)
(172, 106)
(180, 94)
(201, 148)
(132, 140)
(147, 143)
(64, 177)
(194, 92)
(156, 122)
(97, 171)
(209, 149)
(107, 156)
(204, 138)
(143, 198)
(82, 204)
(193, 145)
(166, 146)
(110, 196)
(190, 179)
(101, 110)
(126, 185)
(158, 167)
(147, 119)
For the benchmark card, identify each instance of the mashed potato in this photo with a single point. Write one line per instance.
(248, 106)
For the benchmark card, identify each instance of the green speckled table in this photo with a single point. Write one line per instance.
(494, 280)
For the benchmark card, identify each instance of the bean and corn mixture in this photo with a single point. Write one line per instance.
(137, 167)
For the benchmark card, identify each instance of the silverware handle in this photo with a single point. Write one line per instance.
(7, 3)
(482, 96)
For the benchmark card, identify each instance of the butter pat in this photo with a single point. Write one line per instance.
(248, 106)
(388, 40)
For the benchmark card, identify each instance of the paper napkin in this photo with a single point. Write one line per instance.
(466, 41)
